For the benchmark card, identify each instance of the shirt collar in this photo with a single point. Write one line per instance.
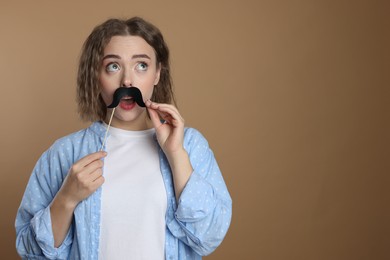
(98, 128)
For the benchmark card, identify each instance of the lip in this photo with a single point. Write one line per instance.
(126, 106)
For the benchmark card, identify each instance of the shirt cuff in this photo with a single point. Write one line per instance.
(197, 200)
(41, 225)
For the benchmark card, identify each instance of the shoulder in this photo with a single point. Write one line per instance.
(194, 138)
(192, 134)
(75, 139)
(69, 139)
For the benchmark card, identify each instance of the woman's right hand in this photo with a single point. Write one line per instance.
(84, 178)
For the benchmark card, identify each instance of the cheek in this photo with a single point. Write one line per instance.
(107, 97)
(106, 92)
(147, 92)
(146, 85)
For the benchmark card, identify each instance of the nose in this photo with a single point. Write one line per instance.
(126, 79)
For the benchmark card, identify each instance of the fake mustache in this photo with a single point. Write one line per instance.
(122, 92)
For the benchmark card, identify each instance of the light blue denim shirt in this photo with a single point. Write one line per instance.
(195, 225)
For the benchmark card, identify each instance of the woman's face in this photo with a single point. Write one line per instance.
(128, 61)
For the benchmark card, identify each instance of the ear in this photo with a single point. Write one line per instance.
(157, 79)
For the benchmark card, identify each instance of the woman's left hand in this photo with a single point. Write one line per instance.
(170, 132)
(170, 136)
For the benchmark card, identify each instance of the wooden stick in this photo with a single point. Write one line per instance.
(108, 127)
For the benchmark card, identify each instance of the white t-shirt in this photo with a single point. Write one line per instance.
(134, 200)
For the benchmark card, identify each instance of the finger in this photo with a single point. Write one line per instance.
(94, 185)
(155, 117)
(90, 158)
(164, 109)
(167, 112)
(171, 110)
(151, 104)
(93, 166)
(157, 106)
(98, 182)
(93, 176)
(162, 117)
(171, 116)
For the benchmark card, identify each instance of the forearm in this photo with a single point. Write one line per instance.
(181, 170)
(61, 212)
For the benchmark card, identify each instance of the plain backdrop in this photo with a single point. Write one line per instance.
(293, 97)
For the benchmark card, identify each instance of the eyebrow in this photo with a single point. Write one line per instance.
(135, 56)
(140, 56)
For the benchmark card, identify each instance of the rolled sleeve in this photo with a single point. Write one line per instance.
(34, 234)
(203, 213)
(196, 201)
(41, 226)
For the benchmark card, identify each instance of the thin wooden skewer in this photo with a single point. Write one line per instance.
(108, 127)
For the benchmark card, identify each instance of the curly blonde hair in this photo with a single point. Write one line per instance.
(91, 106)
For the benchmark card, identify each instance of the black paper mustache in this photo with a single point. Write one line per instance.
(121, 92)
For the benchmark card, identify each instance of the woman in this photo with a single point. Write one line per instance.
(155, 192)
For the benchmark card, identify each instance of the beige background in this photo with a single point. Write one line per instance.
(292, 96)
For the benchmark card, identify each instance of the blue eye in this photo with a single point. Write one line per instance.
(112, 67)
(142, 66)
